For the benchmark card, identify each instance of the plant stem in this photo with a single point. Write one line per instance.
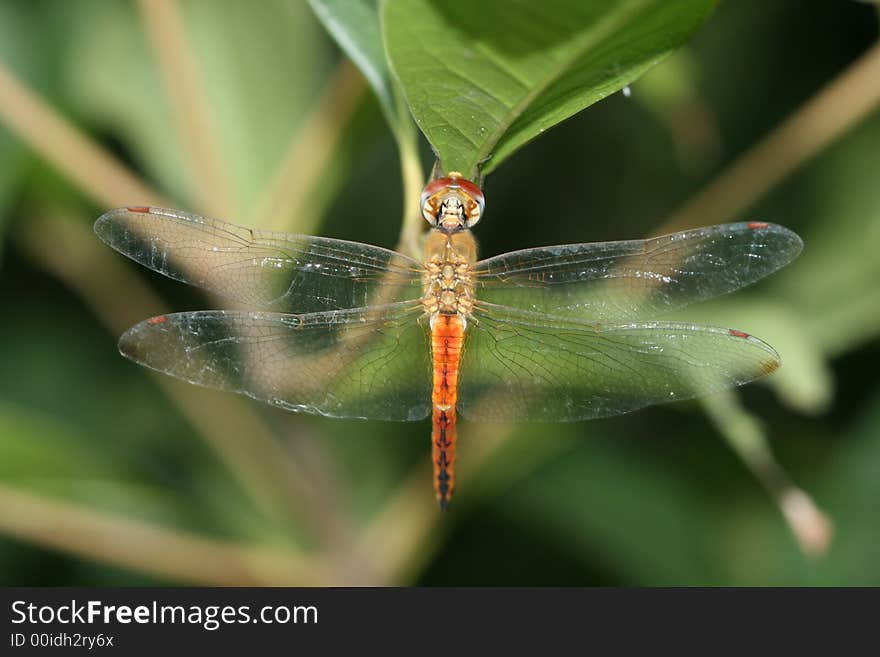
(289, 202)
(841, 104)
(88, 166)
(811, 527)
(412, 225)
(167, 34)
(159, 551)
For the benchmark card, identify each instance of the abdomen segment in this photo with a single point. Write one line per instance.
(447, 337)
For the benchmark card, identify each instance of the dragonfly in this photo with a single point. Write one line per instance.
(350, 330)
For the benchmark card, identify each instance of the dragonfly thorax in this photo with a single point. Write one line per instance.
(448, 284)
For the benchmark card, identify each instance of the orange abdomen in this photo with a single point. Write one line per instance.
(447, 337)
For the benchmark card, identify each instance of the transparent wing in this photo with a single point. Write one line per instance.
(521, 366)
(275, 271)
(637, 279)
(365, 363)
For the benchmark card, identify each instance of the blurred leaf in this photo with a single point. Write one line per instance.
(112, 80)
(756, 550)
(482, 80)
(804, 381)
(354, 24)
(34, 448)
(14, 159)
(257, 89)
(670, 84)
(43, 455)
(17, 33)
(850, 490)
(835, 280)
(635, 519)
(671, 93)
(746, 434)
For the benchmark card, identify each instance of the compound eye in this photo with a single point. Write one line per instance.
(430, 200)
(474, 212)
(435, 187)
(477, 201)
(472, 190)
(427, 212)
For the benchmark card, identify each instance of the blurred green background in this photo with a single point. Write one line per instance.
(110, 476)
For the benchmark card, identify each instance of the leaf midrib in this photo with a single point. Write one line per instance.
(606, 26)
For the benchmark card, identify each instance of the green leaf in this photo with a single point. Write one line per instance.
(482, 79)
(850, 488)
(354, 24)
(841, 218)
(844, 481)
(605, 505)
(20, 26)
(34, 448)
(42, 454)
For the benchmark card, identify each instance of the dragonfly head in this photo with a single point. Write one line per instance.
(452, 203)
